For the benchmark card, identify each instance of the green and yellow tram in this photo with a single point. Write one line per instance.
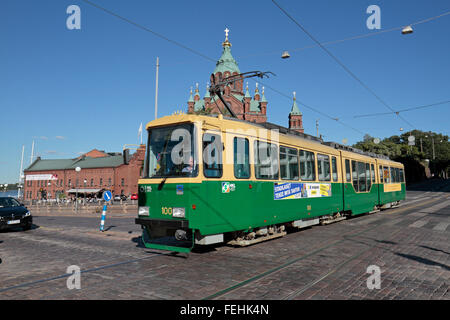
(210, 180)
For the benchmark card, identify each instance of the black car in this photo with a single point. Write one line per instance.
(14, 214)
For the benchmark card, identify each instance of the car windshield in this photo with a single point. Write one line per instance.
(171, 152)
(8, 202)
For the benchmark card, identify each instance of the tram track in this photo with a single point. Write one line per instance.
(66, 275)
(346, 237)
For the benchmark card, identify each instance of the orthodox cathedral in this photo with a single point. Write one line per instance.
(246, 107)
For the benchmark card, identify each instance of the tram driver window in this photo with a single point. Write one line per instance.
(307, 166)
(212, 155)
(241, 158)
(266, 160)
(323, 167)
(288, 163)
(402, 175)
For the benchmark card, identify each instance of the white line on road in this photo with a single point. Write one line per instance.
(418, 224)
(441, 226)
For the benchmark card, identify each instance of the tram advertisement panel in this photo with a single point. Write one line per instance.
(283, 191)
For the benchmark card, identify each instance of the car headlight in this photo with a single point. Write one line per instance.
(28, 214)
(178, 212)
(144, 211)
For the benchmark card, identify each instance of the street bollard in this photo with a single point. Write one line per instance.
(102, 222)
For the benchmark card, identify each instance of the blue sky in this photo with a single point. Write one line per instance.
(75, 90)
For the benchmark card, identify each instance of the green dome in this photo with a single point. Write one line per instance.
(226, 62)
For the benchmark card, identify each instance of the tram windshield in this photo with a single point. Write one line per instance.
(171, 152)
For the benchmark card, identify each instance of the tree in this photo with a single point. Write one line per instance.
(413, 156)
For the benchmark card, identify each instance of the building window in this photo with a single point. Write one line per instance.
(241, 158)
(101, 182)
(92, 182)
(307, 166)
(122, 182)
(69, 183)
(109, 181)
(289, 163)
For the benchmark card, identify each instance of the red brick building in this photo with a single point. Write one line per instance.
(56, 178)
(246, 107)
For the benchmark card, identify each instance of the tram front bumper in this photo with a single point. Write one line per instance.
(171, 235)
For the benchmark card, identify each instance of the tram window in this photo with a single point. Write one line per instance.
(307, 166)
(241, 158)
(386, 175)
(368, 179)
(392, 171)
(288, 163)
(380, 172)
(397, 174)
(362, 176)
(372, 171)
(402, 176)
(355, 175)
(323, 167)
(334, 168)
(266, 160)
(171, 152)
(347, 171)
(212, 155)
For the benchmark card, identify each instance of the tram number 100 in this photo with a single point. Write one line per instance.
(166, 211)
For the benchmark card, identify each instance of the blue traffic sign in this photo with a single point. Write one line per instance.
(107, 195)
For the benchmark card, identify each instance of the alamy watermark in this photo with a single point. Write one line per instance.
(74, 20)
(374, 280)
(74, 280)
(374, 20)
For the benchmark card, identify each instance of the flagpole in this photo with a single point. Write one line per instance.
(20, 173)
(156, 93)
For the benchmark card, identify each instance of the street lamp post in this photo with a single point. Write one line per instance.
(77, 169)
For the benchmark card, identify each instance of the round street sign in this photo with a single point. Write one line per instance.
(107, 195)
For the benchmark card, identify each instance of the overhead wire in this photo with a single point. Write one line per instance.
(402, 110)
(365, 35)
(209, 59)
(269, 87)
(341, 63)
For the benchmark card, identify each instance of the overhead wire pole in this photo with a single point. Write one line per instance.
(340, 63)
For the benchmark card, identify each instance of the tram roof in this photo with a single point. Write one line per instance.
(233, 123)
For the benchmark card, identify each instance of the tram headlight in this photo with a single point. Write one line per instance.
(144, 211)
(178, 212)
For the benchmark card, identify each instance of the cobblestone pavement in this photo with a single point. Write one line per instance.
(410, 245)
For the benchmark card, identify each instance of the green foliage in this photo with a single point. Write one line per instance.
(397, 148)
